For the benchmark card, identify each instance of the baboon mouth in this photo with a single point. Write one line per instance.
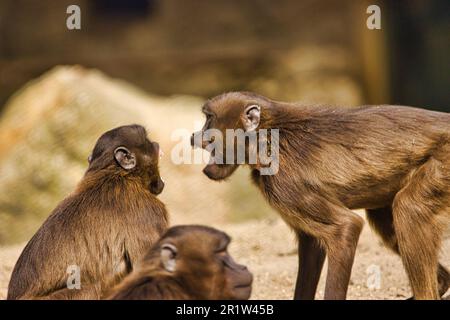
(156, 187)
(214, 156)
(245, 283)
(242, 292)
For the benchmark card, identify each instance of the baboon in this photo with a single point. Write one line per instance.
(393, 161)
(102, 228)
(188, 263)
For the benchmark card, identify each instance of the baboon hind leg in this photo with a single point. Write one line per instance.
(419, 209)
(381, 221)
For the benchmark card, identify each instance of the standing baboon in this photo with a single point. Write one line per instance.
(188, 263)
(102, 228)
(393, 161)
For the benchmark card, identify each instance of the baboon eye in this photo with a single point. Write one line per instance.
(222, 252)
(209, 116)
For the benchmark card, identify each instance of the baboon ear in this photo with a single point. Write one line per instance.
(125, 158)
(168, 257)
(251, 117)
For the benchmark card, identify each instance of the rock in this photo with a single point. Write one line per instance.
(49, 128)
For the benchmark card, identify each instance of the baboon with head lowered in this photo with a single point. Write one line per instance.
(188, 263)
(102, 228)
(393, 161)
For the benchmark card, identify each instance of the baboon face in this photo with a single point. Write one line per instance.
(235, 110)
(129, 150)
(197, 256)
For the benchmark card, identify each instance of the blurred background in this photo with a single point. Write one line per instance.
(155, 62)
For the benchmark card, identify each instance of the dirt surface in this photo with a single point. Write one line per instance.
(268, 248)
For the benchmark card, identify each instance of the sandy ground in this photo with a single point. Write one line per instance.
(268, 248)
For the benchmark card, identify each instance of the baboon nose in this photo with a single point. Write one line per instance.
(242, 267)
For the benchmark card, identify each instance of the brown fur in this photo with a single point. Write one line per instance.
(393, 161)
(104, 227)
(204, 270)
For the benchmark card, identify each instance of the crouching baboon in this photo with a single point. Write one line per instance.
(189, 262)
(393, 161)
(98, 232)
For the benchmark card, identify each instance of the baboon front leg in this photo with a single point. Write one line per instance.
(341, 240)
(311, 256)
